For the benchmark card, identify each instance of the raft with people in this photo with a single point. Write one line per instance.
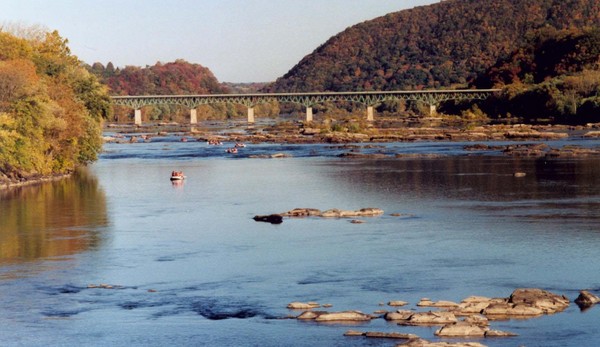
(177, 176)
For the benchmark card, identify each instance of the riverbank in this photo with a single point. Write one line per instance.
(7, 183)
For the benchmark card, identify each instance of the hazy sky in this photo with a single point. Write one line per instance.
(239, 40)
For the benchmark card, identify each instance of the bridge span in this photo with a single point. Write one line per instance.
(369, 99)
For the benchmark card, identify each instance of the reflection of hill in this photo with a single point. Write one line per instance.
(50, 220)
(481, 178)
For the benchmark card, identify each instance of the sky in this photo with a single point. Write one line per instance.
(238, 40)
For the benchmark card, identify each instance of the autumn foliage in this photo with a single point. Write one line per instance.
(446, 44)
(51, 108)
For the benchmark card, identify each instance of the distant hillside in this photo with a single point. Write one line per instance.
(178, 77)
(441, 45)
(556, 77)
(548, 54)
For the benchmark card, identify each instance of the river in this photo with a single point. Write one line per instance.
(189, 266)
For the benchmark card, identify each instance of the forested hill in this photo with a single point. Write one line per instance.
(441, 45)
(174, 78)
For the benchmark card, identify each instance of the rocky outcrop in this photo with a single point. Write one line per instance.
(343, 316)
(586, 299)
(544, 300)
(400, 315)
(302, 305)
(461, 329)
(466, 329)
(425, 302)
(524, 302)
(363, 212)
(429, 318)
(397, 303)
(333, 213)
(302, 212)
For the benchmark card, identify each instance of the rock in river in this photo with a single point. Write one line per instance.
(272, 218)
(586, 299)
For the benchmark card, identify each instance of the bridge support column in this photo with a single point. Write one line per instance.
(193, 116)
(432, 110)
(309, 114)
(137, 117)
(250, 114)
(370, 113)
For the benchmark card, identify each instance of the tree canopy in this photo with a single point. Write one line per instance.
(51, 108)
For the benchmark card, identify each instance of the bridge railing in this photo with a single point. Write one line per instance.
(308, 100)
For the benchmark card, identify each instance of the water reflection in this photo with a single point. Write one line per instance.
(479, 178)
(52, 219)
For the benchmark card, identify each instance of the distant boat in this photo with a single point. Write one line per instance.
(177, 176)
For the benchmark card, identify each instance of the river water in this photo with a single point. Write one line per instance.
(189, 266)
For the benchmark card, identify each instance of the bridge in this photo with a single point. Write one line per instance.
(369, 99)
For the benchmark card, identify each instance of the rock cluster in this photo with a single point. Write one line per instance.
(332, 213)
(469, 318)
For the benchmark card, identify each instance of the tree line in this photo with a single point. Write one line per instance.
(51, 107)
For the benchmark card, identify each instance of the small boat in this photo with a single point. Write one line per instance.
(240, 145)
(177, 176)
(231, 150)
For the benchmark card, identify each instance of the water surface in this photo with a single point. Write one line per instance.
(189, 266)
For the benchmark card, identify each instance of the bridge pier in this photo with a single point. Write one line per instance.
(137, 117)
(309, 114)
(370, 113)
(193, 116)
(432, 109)
(250, 114)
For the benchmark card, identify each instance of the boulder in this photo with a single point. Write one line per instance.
(302, 305)
(272, 218)
(499, 333)
(442, 303)
(544, 300)
(397, 303)
(399, 315)
(507, 310)
(586, 299)
(477, 319)
(353, 316)
(310, 315)
(430, 318)
(461, 329)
